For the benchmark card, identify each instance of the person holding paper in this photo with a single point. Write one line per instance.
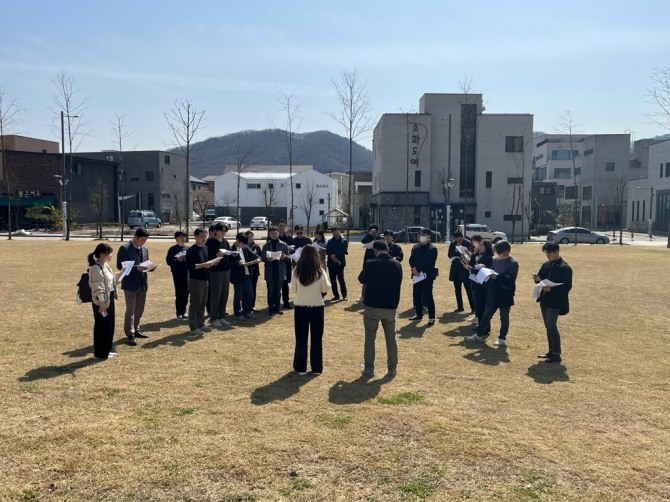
(240, 277)
(300, 240)
(309, 284)
(219, 276)
(274, 254)
(290, 242)
(395, 251)
(176, 260)
(320, 246)
(254, 270)
(422, 260)
(499, 294)
(457, 272)
(198, 264)
(482, 257)
(102, 282)
(554, 299)
(135, 284)
(337, 250)
(383, 277)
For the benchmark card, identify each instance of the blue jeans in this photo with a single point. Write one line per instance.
(243, 297)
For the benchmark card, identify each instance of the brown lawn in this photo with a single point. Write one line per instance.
(223, 417)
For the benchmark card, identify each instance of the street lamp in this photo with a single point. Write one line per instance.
(651, 201)
(64, 209)
(447, 190)
(63, 205)
(539, 215)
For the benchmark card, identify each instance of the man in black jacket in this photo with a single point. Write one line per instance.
(382, 277)
(286, 238)
(337, 249)
(176, 260)
(422, 260)
(458, 274)
(395, 251)
(554, 299)
(135, 284)
(372, 235)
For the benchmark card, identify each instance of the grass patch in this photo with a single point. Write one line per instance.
(418, 487)
(401, 398)
(334, 421)
(183, 412)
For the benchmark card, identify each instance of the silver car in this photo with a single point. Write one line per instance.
(580, 235)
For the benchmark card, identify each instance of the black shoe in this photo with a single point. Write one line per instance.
(460, 309)
(416, 318)
(555, 358)
(431, 322)
(546, 355)
(131, 341)
(271, 313)
(287, 306)
(139, 334)
(334, 298)
(279, 312)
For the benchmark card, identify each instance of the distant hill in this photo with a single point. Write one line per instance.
(324, 150)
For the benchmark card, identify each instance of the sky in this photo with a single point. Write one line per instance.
(234, 60)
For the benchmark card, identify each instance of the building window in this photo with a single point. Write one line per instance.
(254, 186)
(560, 191)
(632, 213)
(564, 154)
(76, 168)
(487, 214)
(417, 178)
(271, 186)
(539, 157)
(578, 171)
(148, 176)
(609, 166)
(321, 213)
(166, 159)
(134, 179)
(637, 216)
(644, 210)
(562, 173)
(489, 179)
(571, 192)
(661, 169)
(514, 181)
(165, 196)
(512, 217)
(513, 144)
(547, 190)
(322, 201)
(150, 201)
(588, 152)
(587, 193)
(667, 169)
(417, 215)
(122, 175)
(298, 186)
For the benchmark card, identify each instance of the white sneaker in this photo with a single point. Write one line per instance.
(205, 328)
(360, 300)
(197, 332)
(223, 322)
(475, 338)
(216, 323)
(500, 341)
(112, 354)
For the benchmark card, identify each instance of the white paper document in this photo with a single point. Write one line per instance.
(316, 246)
(275, 255)
(127, 267)
(463, 250)
(483, 275)
(214, 261)
(296, 256)
(149, 264)
(537, 289)
(228, 252)
(418, 278)
(368, 245)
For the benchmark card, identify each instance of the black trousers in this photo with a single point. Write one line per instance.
(459, 295)
(103, 331)
(284, 291)
(254, 284)
(336, 275)
(422, 293)
(308, 319)
(180, 280)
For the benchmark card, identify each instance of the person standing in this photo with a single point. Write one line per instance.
(309, 284)
(371, 236)
(395, 251)
(500, 294)
(422, 260)
(275, 270)
(482, 257)
(320, 241)
(102, 282)
(383, 277)
(290, 242)
(219, 276)
(337, 249)
(458, 274)
(554, 299)
(176, 260)
(240, 277)
(198, 264)
(300, 240)
(254, 270)
(135, 284)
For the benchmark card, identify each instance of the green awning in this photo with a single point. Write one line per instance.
(29, 201)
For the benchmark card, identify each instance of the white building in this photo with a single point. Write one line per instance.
(487, 157)
(649, 197)
(268, 193)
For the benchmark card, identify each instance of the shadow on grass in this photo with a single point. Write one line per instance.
(175, 340)
(46, 372)
(485, 354)
(360, 390)
(547, 373)
(458, 332)
(407, 313)
(280, 389)
(88, 351)
(355, 307)
(413, 330)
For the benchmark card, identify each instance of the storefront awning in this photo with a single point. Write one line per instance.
(29, 201)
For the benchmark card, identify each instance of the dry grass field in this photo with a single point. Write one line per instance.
(223, 417)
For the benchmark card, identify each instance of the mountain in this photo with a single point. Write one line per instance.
(324, 150)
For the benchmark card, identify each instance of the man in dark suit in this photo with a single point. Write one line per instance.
(458, 274)
(135, 284)
(382, 277)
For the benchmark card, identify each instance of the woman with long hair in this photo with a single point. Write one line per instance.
(102, 282)
(482, 256)
(320, 240)
(309, 284)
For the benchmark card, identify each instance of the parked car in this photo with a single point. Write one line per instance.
(210, 214)
(228, 221)
(484, 230)
(401, 235)
(195, 216)
(141, 218)
(260, 222)
(567, 235)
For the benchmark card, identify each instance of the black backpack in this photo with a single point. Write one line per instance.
(84, 293)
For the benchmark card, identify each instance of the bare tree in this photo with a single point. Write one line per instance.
(9, 119)
(201, 201)
(118, 126)
(659, 95)
(518, 196)
(68, 108)
(308, 199)
(354, 116)
(227, 200)
(568, 127)
(243, 161)
(177, 211)
(618, 189)
(291, 127)
(268, 197)
(97, 194)
(184, 120)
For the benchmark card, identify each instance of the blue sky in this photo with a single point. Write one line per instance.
(234, 59)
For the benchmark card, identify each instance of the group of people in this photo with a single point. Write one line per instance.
(308, 269)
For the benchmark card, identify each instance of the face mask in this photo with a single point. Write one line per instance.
(423, 239)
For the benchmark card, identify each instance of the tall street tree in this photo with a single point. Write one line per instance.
(119, 133)
(9, 119)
